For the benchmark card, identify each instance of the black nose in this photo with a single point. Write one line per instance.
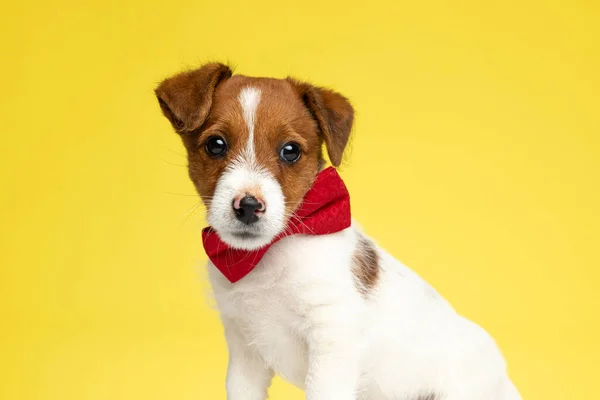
(246, 213)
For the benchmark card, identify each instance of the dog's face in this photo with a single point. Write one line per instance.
(254, 145)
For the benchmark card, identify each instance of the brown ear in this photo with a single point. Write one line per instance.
(334, 115)
(186, 98)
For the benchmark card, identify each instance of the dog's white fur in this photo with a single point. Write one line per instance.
(299, 314)
(249, 99)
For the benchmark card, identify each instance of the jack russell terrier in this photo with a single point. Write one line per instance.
(301, 291)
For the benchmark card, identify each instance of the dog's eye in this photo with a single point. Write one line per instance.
(290, 152)
(215, 146)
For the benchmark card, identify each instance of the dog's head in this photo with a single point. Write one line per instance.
(254, 145)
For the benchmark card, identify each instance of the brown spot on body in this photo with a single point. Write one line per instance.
(365, 264)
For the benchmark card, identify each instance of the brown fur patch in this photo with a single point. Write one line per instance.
(365, 264)
(332, 112)
(186, 98)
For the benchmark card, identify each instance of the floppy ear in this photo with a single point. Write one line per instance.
(186, 98)
(332, 112)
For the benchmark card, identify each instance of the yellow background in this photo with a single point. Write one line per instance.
(475, 161)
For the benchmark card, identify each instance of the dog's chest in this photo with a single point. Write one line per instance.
(269, 327)
(268, 307)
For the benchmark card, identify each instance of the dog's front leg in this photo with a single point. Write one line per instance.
(247, 376)
(333, 359)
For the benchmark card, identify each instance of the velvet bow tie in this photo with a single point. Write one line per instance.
(325, 209)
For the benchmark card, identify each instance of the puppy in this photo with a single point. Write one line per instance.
(318, 303)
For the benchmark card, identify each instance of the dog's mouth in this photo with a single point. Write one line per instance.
(245, 238)
(245, 235)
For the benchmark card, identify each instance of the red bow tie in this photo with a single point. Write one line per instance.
(325, 209)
